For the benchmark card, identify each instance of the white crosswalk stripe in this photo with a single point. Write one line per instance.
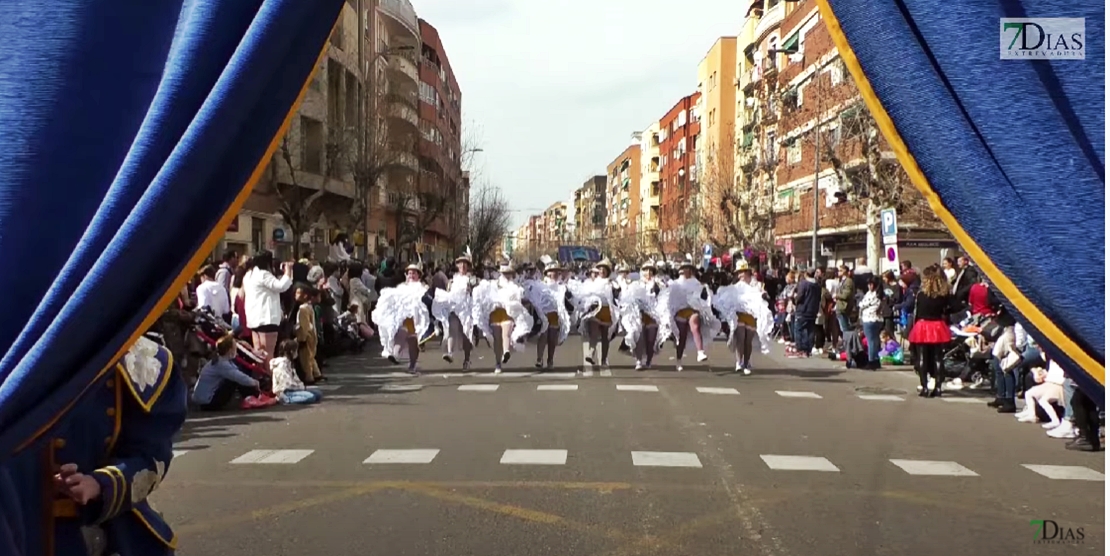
(799, 463)
(401, 388)
(1066, 472)
(881, 398)
(791, 394)
(534, 457)
(724, 391)
(272, 456)
(665, 459)
(401, 456)
(606, 372)
(479, 387)
(924, 467)
(637, 388)
(557, 387)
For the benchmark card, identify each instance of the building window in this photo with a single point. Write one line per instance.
(835, 74)
(312, 145)
(681, 119)
(794, 152)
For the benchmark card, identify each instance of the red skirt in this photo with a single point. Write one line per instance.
(930, 332)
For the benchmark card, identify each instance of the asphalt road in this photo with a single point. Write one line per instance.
(628, 464)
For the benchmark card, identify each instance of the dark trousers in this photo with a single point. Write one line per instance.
(1085, 413)
(225, 392)
(803, 332)
(932, 364)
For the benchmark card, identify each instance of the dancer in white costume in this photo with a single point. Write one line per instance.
(597, 314)
(400, 313)
(454, 309)
(745, 310)
(547, 297)
(500, 314)
(644, 316)
(692, 313)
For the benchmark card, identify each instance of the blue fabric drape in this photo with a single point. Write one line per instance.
(1014, 149)
(127, 131)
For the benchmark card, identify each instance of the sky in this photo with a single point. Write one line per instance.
(552, 91)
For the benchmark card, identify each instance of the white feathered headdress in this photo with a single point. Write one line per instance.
(465, 257)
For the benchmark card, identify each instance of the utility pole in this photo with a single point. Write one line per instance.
(816, 182)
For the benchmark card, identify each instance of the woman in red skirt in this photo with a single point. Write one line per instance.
(930, 333)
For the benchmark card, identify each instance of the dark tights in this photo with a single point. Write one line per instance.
(932, 364)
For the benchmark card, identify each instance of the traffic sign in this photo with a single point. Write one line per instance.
(707, 251)
(889, 221)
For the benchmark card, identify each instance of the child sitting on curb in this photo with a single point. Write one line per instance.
(287, 386)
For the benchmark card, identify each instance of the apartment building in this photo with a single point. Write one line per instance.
(590, 210)
(369, 73)
(679, 213)
(802, 113)
(650, 187)
(554, 219)
(623, 194)
(440, 149)
(716, 151)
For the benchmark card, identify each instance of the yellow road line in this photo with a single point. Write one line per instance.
(272, 511)
(524, 514)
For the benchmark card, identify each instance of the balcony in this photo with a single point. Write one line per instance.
(406, 162)
(404, 112)
(770, 20)
(401, 65)
(401, 13)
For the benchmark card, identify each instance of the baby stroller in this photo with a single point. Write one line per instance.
(209, 329)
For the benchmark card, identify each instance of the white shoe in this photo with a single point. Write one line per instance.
(747, 370)
(739, 367)
(702, 357)
(639, 366)
(497, 370)
(678, 367)
(1065, 430)
(1028, 418)
(1051, 425)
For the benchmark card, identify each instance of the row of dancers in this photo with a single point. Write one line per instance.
(546, 304)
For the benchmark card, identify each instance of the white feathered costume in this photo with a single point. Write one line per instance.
(638, 300)
(686, 293)
(589, 297)
(489, 295)
(395, 306)
(548, 298)
(745, 298)
(456, 299)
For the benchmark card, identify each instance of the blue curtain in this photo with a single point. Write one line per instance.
(1010, 153)
(129, 135)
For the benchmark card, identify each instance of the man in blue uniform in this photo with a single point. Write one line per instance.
(83, 491)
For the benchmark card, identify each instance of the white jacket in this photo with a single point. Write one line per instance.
(262, 301)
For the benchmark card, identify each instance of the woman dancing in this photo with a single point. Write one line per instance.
(644, 316)
(500, 314)
(401, 311)
(596, 311)
(744, 308)
(692, 313)
(454, 309)
(548, 298)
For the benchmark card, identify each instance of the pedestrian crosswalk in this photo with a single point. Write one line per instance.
(638, 458)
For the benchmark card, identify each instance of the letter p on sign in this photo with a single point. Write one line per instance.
(889, 223)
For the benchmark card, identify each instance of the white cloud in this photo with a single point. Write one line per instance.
(557, 88)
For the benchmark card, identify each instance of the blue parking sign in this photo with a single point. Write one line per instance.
(889, 221)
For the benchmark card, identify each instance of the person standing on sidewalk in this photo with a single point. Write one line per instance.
(870, 315)
(807, 302)
(845, 301)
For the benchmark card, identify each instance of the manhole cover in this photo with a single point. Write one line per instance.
(881, 391)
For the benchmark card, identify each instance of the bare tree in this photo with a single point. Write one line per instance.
(300, 204)
(737, 217)
(868, 175)
(371, 148)
(418, 204)
(490, 218)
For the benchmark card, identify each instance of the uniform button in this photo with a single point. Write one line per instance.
(111, 412)
(59, 443)
(110, 384)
